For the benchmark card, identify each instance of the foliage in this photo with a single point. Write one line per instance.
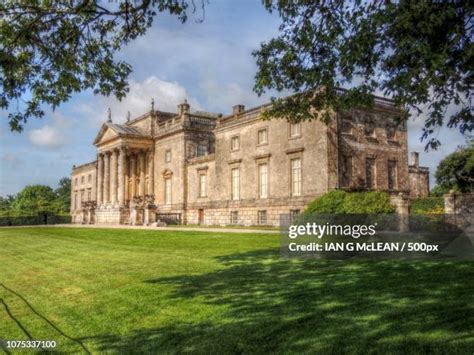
(341, 202)
(63, 194)
(419, 53)
(36, 198)
(6, 202)
(427, 205)
(438, 191)
(456, 171)
(52, 49)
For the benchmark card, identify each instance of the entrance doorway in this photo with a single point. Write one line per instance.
(201, 216)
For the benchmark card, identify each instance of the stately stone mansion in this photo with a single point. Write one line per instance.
(195, 167)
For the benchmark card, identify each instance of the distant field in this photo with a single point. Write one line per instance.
(118, 290)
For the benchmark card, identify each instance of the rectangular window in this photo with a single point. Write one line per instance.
(82, 179)
(234, 217)
(263, 180)
(89, 178)
(262, 217)
(294, 215)
(235, 143)
(296, 177)
(262, 136)
(295, 129)
(201, 150)
(75, 201)
(346, 170)
(88, 195)
(202, 185)
(167, 191)
(167, 156)
(370, 173)
(392, 175)
(235, 183)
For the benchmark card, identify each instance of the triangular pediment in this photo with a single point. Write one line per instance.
(106, 132)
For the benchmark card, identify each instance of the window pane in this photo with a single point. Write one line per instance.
(235, 143)
(295, 129)
(392, 175)
(201, 150)
(296, 177)
(235, 184)
(263, 180)
(370, 173)
(262, 136)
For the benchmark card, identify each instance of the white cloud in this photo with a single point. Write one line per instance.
(166, 94)
(47, 136)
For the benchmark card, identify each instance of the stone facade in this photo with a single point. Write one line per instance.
(419, 178)
(204, 168)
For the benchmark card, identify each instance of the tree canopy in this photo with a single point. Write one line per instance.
(456, 171)
(52, 49)
(419, 53)
(35, 199)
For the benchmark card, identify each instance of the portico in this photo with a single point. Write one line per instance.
(125, 180)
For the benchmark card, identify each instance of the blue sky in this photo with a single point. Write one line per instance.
(209, 63)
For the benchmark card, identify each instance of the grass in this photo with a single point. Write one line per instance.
(100, 290)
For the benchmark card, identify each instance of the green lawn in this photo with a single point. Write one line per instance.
(136, 290)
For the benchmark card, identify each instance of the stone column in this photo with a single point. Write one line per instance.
(106, 178)
(121, 177)
(141, 158)
(100, 179)
(151, 173)
(133, 172)
(113, 176)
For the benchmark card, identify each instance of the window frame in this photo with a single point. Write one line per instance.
(290, 130)
(299, 181)
(262, 183)
(235, 183)
(200, 145)
(232, 215)
(235, 138)
(265, 130)
(262, 221)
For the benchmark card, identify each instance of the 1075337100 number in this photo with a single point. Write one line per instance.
(29, 344)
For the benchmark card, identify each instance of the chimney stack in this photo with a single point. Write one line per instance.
(184, 107)
(415, 159)
(238, 109)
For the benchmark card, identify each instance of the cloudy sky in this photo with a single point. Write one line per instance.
(209, 63)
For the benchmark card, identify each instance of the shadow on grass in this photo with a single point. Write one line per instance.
(277, 305)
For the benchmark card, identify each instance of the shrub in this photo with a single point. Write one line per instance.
(341, 202)
(428, 205)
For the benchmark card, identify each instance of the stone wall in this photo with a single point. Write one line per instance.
(419, 178)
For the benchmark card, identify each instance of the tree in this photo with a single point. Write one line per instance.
(52, 49)
(36, 199)
(456, 171)
(6, 202)
(63, 194)
(419, 53)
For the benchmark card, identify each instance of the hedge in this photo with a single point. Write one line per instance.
(427, 205)
(342, 202)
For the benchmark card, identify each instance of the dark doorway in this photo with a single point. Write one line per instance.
(201, 216)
